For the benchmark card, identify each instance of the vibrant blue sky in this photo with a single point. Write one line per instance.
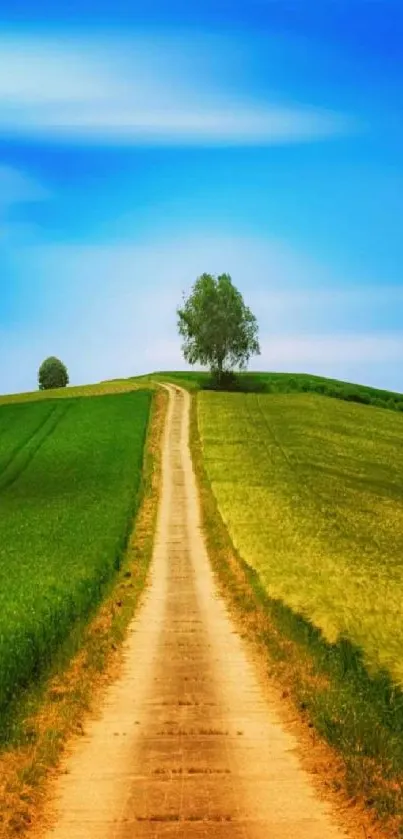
(142, 146)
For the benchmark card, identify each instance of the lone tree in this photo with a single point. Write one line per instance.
(52, 373)
(218, 329)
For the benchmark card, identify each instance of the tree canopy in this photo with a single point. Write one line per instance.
(218, 329)
(52, 373)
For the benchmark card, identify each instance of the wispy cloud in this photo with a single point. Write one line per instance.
(296, 351)
(131, 92)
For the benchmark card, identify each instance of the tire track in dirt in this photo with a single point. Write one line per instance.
(186, 745)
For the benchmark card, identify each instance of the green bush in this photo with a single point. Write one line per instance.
(52, 374)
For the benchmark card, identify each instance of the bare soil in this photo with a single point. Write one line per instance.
(187, 743)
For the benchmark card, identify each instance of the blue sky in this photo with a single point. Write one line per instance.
(142, 146)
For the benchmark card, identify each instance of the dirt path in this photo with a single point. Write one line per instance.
(186, 746)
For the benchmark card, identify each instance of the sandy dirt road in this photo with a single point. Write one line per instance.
(186, 744)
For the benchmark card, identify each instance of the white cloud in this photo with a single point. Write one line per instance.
(138, 91)
(296, 351)
(38, 70)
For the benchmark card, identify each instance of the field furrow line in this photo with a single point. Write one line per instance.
(24, 441)
(25, 453)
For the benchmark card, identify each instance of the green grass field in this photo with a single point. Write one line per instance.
(311, 491)
(70, 473)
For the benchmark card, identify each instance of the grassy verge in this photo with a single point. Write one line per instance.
(360, 717)
(50, 713)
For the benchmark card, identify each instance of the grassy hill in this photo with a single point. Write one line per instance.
(309, 486)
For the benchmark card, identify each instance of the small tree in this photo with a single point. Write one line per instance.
(218, 329)
(52, 373)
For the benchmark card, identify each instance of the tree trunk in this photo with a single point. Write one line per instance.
(219, 371)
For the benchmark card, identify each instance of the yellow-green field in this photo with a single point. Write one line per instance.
(99, 389)
(311, 490)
